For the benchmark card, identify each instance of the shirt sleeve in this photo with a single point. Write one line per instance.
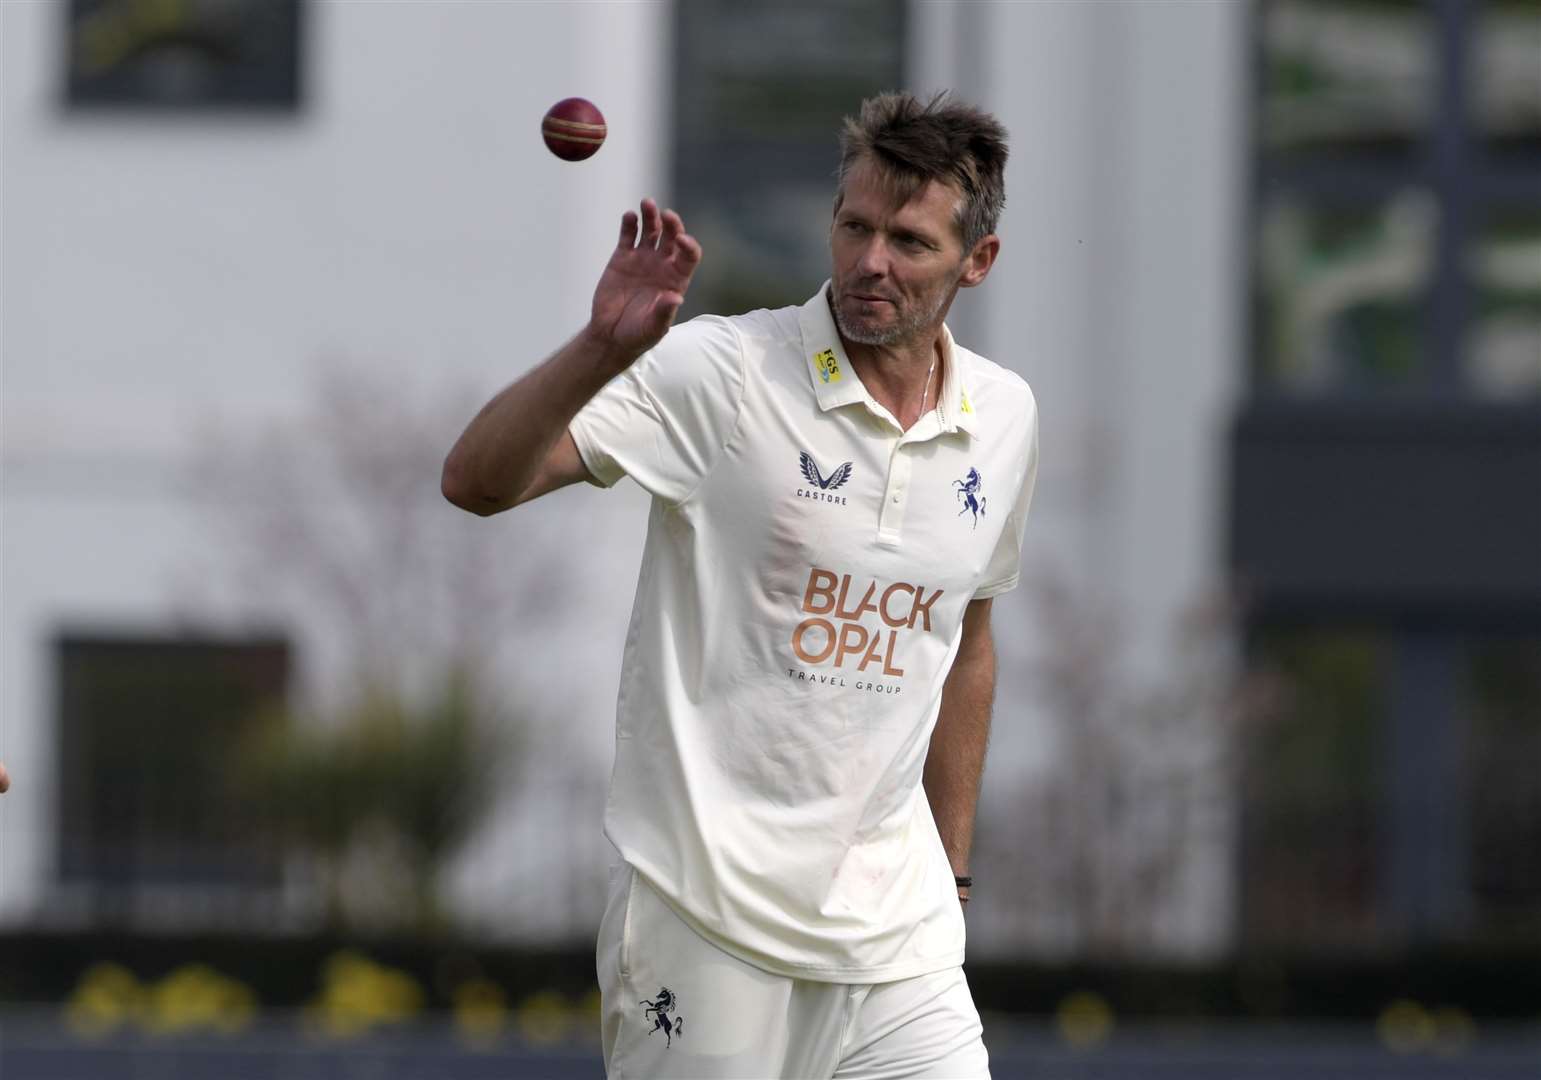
(665, 420)
(1005, 567)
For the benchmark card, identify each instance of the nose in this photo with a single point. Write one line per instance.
(872, 261)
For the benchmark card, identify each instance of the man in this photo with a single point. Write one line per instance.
(839, 490)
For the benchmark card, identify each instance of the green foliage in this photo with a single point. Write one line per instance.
(419, 775)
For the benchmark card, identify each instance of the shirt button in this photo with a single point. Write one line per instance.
(896, 498)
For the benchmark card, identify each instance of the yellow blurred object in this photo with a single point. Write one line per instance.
(589, 1009)
(1084, 1019)
(1454, 1030)
(481, 1010)
(358, 994)
(544, 1018)
(107, 997)
(1405, 1027)
(196, 997)
(192, 998)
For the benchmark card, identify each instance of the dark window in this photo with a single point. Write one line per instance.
(1506, 77)
(1384, 472)
(192, 54)
(1398, 146)
(149, 734)
(760, 90)
(1502, 347)
(1349, 77)
(1503, 762)
(1310, 864)
(1342, 286)
(1394, 797)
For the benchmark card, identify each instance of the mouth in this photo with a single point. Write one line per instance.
(869, 299)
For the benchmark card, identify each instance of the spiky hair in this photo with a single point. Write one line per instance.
(911, 142)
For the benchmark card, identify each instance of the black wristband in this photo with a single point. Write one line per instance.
(964, 881)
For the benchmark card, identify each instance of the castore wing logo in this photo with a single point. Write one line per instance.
(826, 483)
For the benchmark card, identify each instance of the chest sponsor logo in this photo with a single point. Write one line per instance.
(820, 486)
(967, 490)
(827, 365)
(840, 630)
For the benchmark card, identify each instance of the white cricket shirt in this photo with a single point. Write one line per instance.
(800, 602)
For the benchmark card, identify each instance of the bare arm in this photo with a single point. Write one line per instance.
(956, 759)
(518, 447)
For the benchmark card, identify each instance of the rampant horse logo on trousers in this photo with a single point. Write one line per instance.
(968, 491)
(661, 1021)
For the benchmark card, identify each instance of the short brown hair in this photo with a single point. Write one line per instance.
(912, 143)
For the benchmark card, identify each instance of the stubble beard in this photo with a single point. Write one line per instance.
(910, 326)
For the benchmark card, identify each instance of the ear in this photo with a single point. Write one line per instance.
(976, 266)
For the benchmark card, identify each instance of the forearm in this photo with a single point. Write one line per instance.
(499, 455)
(955, 761)
(514, 450)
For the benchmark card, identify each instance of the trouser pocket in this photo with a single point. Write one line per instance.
(626, 918)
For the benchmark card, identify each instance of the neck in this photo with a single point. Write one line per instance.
(905, 377)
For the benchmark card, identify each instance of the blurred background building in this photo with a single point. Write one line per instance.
(1273, 270)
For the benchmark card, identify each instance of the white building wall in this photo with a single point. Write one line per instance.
(166, 273)
(1117, 295)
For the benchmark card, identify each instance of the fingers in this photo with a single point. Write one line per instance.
(659, 230)
(5, 780)
(652, 223)
(649, 222)
(689, 252)
(673, 229)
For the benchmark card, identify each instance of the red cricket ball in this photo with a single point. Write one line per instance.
(573, 129)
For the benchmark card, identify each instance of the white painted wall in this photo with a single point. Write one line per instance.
(1117, 295)
(160, 273)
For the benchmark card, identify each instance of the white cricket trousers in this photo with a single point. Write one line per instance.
(676, 1007)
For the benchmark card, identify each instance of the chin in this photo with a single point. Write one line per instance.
(863, 327)
(873, 335)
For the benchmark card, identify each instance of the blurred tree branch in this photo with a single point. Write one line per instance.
(1143, 776)
(334, 524)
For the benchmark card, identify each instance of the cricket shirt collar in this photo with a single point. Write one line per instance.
(835, 382)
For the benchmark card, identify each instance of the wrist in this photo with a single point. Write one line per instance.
(603, 352)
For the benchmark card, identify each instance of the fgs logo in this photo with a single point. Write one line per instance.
(828, 365)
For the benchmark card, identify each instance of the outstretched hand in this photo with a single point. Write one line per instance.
(644, 283)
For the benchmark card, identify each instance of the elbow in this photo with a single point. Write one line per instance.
(454, 486)
(462, 492)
